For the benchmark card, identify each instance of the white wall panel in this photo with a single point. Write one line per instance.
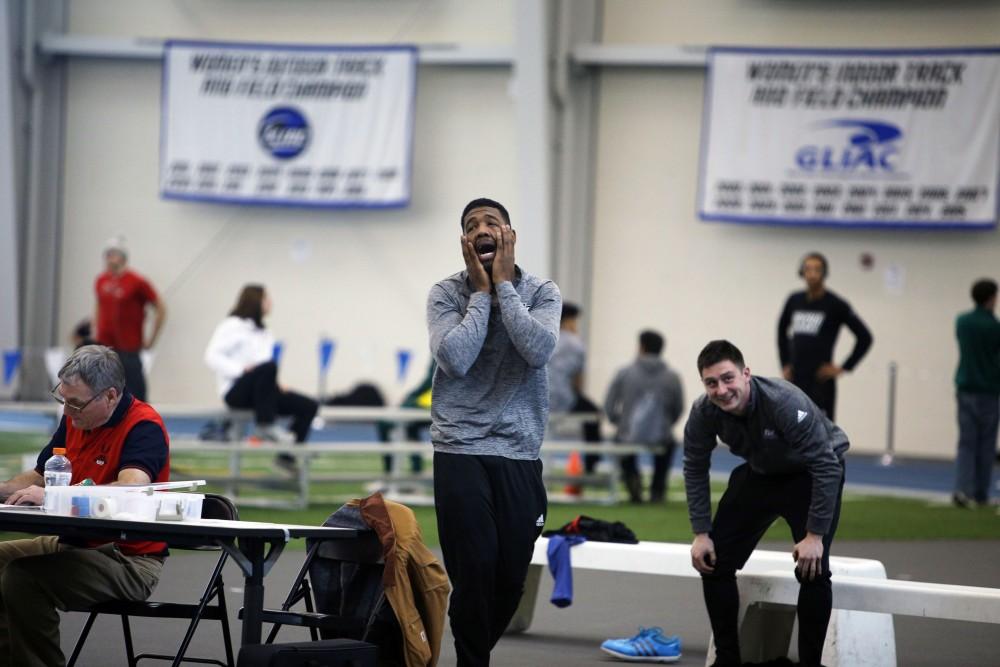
(827, 23)
(420, 21)
(656, 265)
(365, 276)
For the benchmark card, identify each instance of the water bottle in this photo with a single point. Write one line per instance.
(58, 471)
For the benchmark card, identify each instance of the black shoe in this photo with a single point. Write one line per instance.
(959, 499)
(287, 463)
(216, 429)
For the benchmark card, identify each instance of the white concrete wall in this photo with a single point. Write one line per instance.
(656, 265)
(360, 277)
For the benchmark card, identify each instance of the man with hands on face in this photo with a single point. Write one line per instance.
(492, 328)
(794, 470)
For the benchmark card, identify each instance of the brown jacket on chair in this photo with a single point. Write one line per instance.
(415, 581)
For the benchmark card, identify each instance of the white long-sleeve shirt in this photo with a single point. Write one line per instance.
(235, 345)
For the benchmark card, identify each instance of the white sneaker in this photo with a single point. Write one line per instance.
(273, 433)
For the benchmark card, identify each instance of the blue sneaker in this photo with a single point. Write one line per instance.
(649, 645)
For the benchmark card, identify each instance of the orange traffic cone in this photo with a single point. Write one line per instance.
(574, 468)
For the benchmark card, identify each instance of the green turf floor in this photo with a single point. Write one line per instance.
(862, 517)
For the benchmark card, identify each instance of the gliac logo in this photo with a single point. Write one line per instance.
(283, 132)
(870, 145)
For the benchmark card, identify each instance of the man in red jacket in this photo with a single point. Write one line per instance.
(110, 437)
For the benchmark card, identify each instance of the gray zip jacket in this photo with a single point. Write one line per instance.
(782, 432)
(490, 392)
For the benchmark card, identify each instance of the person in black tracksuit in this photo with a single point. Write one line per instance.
(794, 469)
(807, 332)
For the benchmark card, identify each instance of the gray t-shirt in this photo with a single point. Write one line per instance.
(566, 363)
(490, 388)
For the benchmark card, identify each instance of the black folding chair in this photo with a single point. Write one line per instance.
(213, 507)
(340, 586)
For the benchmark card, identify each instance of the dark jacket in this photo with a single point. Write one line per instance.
(978, 334)
(783, 432)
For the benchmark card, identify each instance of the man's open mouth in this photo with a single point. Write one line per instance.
(486, 248)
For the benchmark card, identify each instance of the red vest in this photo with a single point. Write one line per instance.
(96, 453)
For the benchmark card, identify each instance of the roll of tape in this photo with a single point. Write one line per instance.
(103, 508)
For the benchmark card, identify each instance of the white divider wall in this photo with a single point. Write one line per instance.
(656, 265)
(363, 275)
(360, 277)
(357, 21)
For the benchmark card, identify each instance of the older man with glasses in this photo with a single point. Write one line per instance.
(110, 437)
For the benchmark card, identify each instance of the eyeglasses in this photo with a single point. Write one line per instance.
(70, 405)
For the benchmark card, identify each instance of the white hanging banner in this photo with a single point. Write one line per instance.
(328, 126)
(853, 138)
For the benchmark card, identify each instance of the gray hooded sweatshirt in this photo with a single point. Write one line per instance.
(648, 374)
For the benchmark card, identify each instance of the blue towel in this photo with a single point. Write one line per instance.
(559, 566)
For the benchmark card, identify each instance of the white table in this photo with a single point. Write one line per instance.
(253, 546)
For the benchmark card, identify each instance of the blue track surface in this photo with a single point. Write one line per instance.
(906, 476)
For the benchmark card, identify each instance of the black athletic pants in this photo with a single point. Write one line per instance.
(414, 432)
(662, 458)
(823, 394)
(258, 389)
(591, 430)
(749, 506)
(490, 511)
(135, 380)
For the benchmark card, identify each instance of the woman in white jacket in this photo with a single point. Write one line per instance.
(241, 353)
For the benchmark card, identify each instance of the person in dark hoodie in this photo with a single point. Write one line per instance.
(644, 401)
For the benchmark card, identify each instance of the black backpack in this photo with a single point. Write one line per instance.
(362, 394)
